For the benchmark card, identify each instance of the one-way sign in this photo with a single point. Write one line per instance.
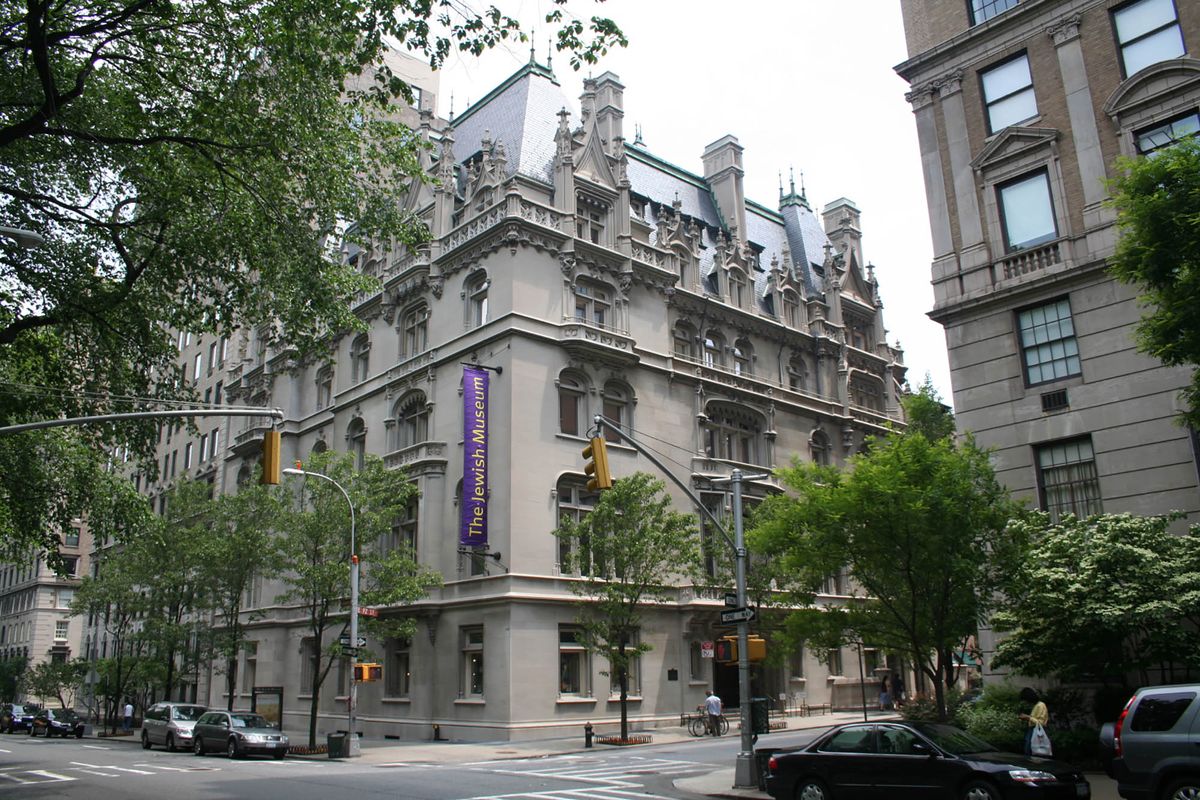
(345, 641)
(737, 615)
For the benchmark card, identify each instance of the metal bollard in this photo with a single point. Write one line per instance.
(587, 735)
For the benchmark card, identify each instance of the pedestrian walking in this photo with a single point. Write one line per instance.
(712, 706)
(1038, 717)
(885, 696)
(128, 723)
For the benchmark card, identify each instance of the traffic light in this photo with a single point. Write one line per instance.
(597, 467)
(725, 650)
(270, 459)
(367, 672)
(757, 647)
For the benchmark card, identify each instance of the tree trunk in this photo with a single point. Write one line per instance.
(623, 678)
(231, 680)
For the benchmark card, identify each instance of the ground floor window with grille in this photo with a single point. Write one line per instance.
(572, 664)
(1067, 479)
(397, 672)
(472, 663)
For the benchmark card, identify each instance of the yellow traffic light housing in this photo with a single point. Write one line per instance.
(270, 459)
(597, 467)
(727, 649)
(368, 672)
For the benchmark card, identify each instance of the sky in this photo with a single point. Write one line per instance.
(805, 85)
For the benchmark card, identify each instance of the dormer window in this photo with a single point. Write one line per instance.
(591, 219)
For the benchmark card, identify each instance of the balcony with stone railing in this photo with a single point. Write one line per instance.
(1034, 259)
(418, 458)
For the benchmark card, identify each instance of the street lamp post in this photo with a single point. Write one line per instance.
(353, 745)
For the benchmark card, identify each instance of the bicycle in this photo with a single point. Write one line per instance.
(698, 725)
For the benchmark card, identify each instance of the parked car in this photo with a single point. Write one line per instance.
(57, 722)
(170, 725)
(915, 761)
(238, 733)
(1153, 749)
(16, 717)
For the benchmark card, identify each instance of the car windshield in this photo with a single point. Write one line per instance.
(954, 740)
(65, 715)
(18, 710)
(187, 713)
(248, 721)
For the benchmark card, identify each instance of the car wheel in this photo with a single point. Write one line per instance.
(145, 741)
(812, 789)
(170, 743)
(1186, 789)
(280, 754)
(231, 749)
(980, 790)
(198, 747)
(79, 733)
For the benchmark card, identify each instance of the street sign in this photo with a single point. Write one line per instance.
(706, 649)
(363, 611)
(731, 600)
(737, 615)
(345, 642)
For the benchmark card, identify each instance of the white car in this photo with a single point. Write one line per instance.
(170, 725)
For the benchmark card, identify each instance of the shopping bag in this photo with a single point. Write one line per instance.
(1039, 745)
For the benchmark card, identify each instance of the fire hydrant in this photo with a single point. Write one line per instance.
(587, 735)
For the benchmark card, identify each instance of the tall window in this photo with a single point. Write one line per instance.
(737, 288)
(695, 661)
(360, 359)
(743, 357)
(187, 456)
(573, 671)
(797, 374)
(1049, 350)
(310, 661)
(62, 629)
(820, 448)
(324, 387)
(571, 409)
(1068, 480)
(593, 304)
(477, 299)
(472, 663)
(835, 662)
(983, 10)
(616, 408)
(796, 663)
(574, 503)
(791, 309)
(1008, 93)
(71, 539)
(732, 434)
(633, 672)
(414, 327)
(590, 218)
(404, 530)
(397, 672)
(356, 438)
(412, 421)
(1151, 140)
(1026, 212)
(712, 541)
(1147, 32)
(685, 341)
(714, 349)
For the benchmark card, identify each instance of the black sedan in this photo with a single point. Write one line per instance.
(915, 761)
(16, 717)
(57, 722)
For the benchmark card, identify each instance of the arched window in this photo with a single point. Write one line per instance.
(319, 446)
(791, 309)
(356, 441)
(732, 434)
(593, 304)
(797, 374)
(476, 293)
(574, 503)
(819, 445)
(866, 392)
(324, 387)
(743, 357)
(414, 331)
(737, 288)
(685, 341)
(244, 475)
(618, 408)
(572, 410)
(714, 349)
(360, 359)
(684, 259)
(411, 414)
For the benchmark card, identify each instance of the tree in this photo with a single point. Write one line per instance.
(113, 598)
(1157, 199)
(315, 554)
(915, 523)
(629, 551)
(1102, 598)
(11, 670)
(58, 679)
(182, 182)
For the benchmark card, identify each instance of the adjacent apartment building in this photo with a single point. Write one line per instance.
(587, 275)
(1022, 107)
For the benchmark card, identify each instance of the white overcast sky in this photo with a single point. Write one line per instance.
(803, 84)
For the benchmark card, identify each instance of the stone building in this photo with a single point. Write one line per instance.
(589, 276)
(1022, 107)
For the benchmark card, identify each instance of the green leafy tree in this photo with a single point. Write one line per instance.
(11, 670)
(1157, 199)
(181, 180)
(914, 522)
(315, 554)
(1101, 598)
(60, 680)
(113, 598)
(630, 551)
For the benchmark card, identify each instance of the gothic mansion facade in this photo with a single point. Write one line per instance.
(589, 276)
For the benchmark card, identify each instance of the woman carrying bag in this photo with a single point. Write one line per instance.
(1037, 742)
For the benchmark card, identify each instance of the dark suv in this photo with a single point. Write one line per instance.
(1155, 744)
(16, 717)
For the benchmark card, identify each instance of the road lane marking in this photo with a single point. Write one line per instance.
(96, 747)
(127, 769)
(54, 776)
(172, 769)
(96, 772)
(14, 778)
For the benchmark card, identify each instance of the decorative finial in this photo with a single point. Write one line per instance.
(451, 107)
(781, 186)
(803, 193)
(637, 136)
(792, 178)
(549, 52)
(532, 56)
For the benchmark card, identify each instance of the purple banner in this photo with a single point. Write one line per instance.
(473, 531)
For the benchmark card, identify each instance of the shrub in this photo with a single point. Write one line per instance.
(1069, 708)
(1000, 727)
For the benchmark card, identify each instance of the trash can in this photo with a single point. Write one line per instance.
(760, 715)
(761, 756)
(337, 745)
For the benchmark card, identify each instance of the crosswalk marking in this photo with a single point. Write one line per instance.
(597, 793)
(54, 776)
(14, 778)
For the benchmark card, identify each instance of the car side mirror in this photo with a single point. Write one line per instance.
(922, 749)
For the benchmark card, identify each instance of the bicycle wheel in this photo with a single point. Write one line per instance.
(722, 726)
(696, 726)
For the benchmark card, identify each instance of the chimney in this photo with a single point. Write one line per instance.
(610, 109)
(843, 227)
(723, 173)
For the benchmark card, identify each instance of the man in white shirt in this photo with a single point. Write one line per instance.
(128, 716)
(712, 706)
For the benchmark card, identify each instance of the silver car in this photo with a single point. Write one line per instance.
(237, 733)
(170, 725)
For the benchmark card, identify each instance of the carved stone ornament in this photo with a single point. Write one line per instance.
(950, 84)
(437, 285)
(566, 262)
(1065, 31)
